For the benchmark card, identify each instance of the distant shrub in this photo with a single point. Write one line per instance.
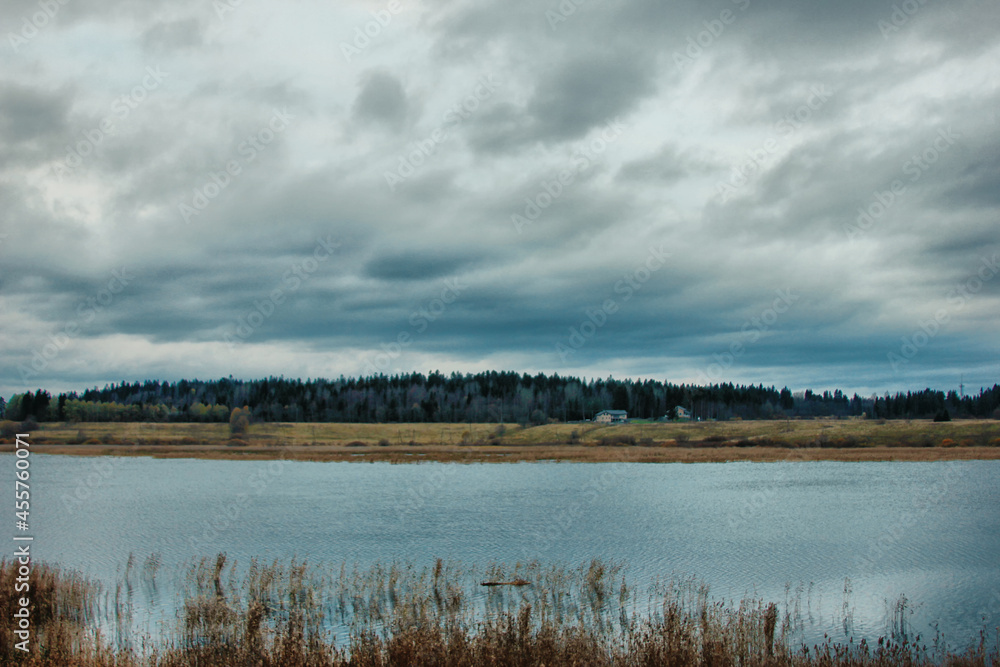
(682, 438)
(715, 438)
(29, 425)
(188, 440)
(239, 421)
(92, 441)
(826, 442)
(8, 429)
(948, 442)
(236, 442)
(778, 442)
(384, 442)
(574, 437)
(356, 443)
(942, 416)
(617, 440)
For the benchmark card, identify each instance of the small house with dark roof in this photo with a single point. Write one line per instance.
(611, 417)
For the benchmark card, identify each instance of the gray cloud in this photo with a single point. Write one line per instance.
(166, 36)
(28, 113)
(381, 100)
(412, 266)
(666, 165)
(740, 118)
(586, 92)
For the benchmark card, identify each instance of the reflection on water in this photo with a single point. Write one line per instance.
(842, 541)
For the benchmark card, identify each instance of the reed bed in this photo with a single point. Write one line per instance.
(297, 614)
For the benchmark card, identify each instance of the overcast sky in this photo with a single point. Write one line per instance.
(796, 193)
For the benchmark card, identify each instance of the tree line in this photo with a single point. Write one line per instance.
(482, 397)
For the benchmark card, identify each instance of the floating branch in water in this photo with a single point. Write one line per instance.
(515, 582)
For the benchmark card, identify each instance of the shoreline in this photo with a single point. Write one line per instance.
(524, 453)
(684, 442)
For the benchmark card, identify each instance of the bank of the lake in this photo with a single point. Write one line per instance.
(806, 440)
(526, 453)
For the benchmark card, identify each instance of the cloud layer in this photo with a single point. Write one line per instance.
(788, 193)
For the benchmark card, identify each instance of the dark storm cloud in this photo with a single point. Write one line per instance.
(586, 92)
(381, 100)
(28, 113)
(412, 266)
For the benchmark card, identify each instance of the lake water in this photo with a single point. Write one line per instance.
(929, 531)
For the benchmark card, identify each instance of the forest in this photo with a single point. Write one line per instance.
(475, 398)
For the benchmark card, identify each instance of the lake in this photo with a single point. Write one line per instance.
(805, 530)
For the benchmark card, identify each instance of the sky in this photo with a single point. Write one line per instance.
(796, 193)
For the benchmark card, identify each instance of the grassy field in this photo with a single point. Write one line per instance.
(821, 439)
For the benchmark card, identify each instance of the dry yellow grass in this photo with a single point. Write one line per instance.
(841, 440)
(400, 614)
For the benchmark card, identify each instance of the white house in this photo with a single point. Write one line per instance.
(611, 417)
